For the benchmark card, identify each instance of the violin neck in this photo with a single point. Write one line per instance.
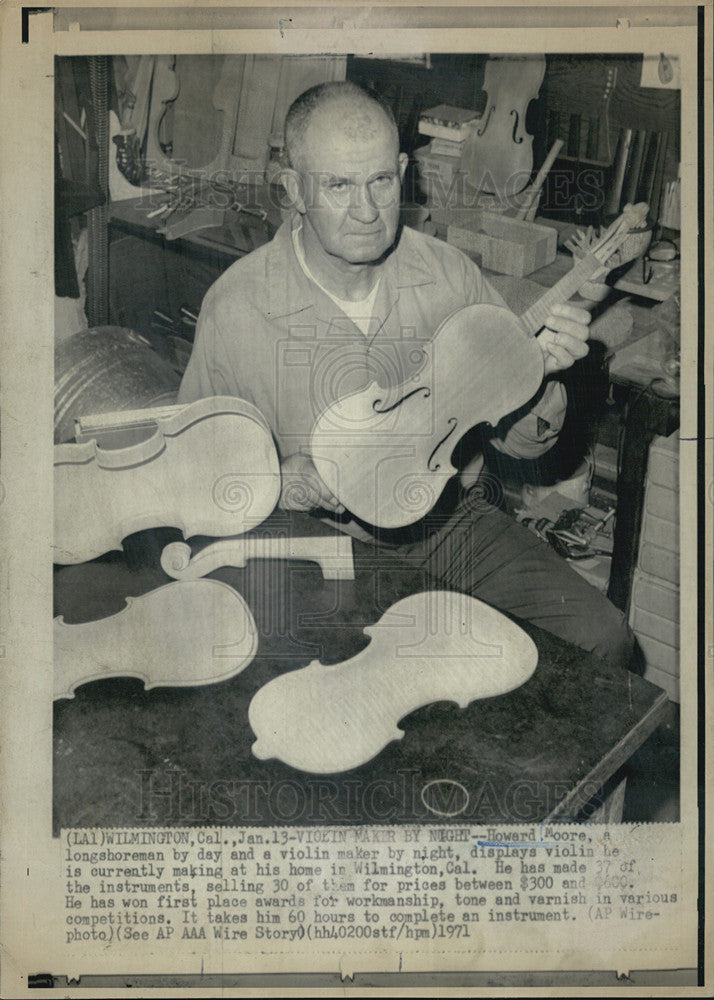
(583, 270)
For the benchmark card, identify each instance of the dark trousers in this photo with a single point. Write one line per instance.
(481, 551)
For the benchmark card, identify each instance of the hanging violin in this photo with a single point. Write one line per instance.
(498, 153)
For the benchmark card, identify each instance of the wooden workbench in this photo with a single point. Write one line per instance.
(126, 757)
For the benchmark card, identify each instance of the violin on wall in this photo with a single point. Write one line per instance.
(498, 153)
(386, 452)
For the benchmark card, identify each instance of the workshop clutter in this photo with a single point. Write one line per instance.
(439, 162)
(107, 368)
(575, 520)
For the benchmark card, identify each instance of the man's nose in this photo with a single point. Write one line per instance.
(362, 205)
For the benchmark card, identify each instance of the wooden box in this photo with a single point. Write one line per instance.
(440, 177)
(505, 245)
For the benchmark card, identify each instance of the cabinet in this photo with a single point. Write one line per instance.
(654, 601)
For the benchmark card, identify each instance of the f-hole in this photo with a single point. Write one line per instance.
(516, 139)
(435, 468)
(376, 404)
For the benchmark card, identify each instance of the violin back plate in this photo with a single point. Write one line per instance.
(183, 634)
(432, 646)
(211, 469)
(386, 452)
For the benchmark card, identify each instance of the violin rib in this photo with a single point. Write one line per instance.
(181, 635)
(432, 646)
(211, 469)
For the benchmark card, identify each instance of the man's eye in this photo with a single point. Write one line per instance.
(383, 179)
(338, 186)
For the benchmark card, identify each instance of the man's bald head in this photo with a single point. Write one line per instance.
(341, 108)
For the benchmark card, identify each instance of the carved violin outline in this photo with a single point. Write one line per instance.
(499, 149)
(181, 635)
(227, 482)
(428, 647)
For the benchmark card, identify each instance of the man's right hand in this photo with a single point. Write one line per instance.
(302, 488)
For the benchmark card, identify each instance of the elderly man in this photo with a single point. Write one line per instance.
(341, 297)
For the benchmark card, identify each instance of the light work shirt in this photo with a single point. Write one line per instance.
(268, 334)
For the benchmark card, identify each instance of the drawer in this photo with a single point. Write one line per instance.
(662, 502)
(655, 596)
(654, 626)
(660, 654)
(663, 463)
(660, 531)
(659, 562)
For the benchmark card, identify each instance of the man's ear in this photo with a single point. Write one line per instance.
(403, 161)
(293, 184)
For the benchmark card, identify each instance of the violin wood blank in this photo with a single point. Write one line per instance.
(431, 646)
(183, 634)
(333, 553)
(386, 453)
(211, 469)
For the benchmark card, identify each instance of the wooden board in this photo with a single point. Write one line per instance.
(333, 554)
(183, 634)
(211, 469)
(431, 646)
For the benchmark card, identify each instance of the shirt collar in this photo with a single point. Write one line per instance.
(290, 291)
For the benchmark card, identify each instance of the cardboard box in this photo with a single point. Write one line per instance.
(504, 245)
(440, 176)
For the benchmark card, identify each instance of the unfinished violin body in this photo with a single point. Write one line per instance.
(211, 469)
(183, 634)
(386, 453)
(498, 153)
(431, 646)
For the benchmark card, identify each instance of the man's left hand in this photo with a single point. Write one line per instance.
(563, 339)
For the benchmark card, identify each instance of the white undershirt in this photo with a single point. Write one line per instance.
(359, 312)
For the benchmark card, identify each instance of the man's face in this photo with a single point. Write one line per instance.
(351, 182)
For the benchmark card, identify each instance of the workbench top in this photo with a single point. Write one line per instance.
(181, 756)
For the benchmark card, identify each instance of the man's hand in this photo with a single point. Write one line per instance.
(563, 339)
(302, 488)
